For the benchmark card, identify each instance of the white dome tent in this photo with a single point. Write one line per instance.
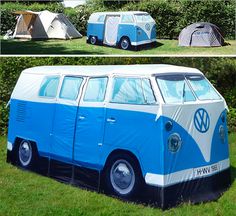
(44, 25)
(201, 34)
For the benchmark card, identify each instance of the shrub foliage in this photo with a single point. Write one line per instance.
(171, 15)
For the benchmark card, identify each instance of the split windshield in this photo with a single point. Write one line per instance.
(143, 18)
(180, 88)
(202, 88)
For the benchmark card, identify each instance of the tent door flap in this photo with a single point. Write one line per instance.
(111, 30)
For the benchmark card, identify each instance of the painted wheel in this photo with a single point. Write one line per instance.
(93, 40)
(26, 154)
(125, 43)
(123, 176)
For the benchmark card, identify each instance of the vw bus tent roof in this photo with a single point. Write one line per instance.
(139, 70)
(44, 25)
(201, 34)
(94, 16)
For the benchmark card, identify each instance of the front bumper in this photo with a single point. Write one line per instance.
(194, 191)
(143, 42)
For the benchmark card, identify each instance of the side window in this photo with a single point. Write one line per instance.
(96, 89)
(49, 87)
(101, 18)
(70, 87)
(132, 91)
(127, 19)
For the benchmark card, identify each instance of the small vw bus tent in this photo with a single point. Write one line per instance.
(201, 34)
(123, 29)
(44, 25)
(157, 131)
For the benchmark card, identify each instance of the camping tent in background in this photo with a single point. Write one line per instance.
(201, 34)
(44, 25)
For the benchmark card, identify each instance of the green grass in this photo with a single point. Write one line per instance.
(26, 193)
(79, 46)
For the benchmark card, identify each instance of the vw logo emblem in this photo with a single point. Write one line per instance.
(148, 27)
(201, 120)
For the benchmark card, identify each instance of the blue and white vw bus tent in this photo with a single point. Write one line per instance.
(156, 129)
(123, 29)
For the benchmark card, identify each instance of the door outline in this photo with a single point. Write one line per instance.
(105, 28)
(77, 161)
(73, 103)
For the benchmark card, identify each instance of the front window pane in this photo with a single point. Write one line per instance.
(132, 91)
(70, 88)
(202, 88)
(49, 87)
(174, 89)
(96, 90)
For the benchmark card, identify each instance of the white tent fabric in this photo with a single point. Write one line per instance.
(201, 34)
(44, 25)
(111, 30)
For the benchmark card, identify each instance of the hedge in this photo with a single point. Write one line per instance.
(220, 71)
(171, 15)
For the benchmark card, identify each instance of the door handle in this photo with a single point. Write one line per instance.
(81, 117)
(111, 120)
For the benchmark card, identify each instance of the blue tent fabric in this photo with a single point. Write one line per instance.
(169, 120)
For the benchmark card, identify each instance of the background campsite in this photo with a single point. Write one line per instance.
(171, 17)
(24, 193)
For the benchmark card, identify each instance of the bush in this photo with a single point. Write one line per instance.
(231, 118)
(78, 17)
(171, 16)
(166, 15)
(220, 13)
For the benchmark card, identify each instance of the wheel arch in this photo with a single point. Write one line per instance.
(124, 36)
(35, 153)
(123, 151)
(18, 140)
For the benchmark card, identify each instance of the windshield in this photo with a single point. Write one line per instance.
(202, 88)
(174, 89)
(143, 18)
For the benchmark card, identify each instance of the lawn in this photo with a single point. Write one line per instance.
(25, 193)
(79, 46)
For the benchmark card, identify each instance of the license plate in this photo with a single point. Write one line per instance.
(206, 170)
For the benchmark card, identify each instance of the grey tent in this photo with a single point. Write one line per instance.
(44, 25)
(201, 34)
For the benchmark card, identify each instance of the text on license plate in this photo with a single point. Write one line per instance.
(206, 170)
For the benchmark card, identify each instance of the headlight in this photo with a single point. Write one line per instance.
(169, 126)
(222, 133)
(174, 142)
(222, 118)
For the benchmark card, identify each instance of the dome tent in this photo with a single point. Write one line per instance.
(201, 34)
(44, 25)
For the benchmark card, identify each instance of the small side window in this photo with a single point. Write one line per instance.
(101, 18)
(127, 19)
(70, 87)
(49, 87)
(132, 91)
(96, 89)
